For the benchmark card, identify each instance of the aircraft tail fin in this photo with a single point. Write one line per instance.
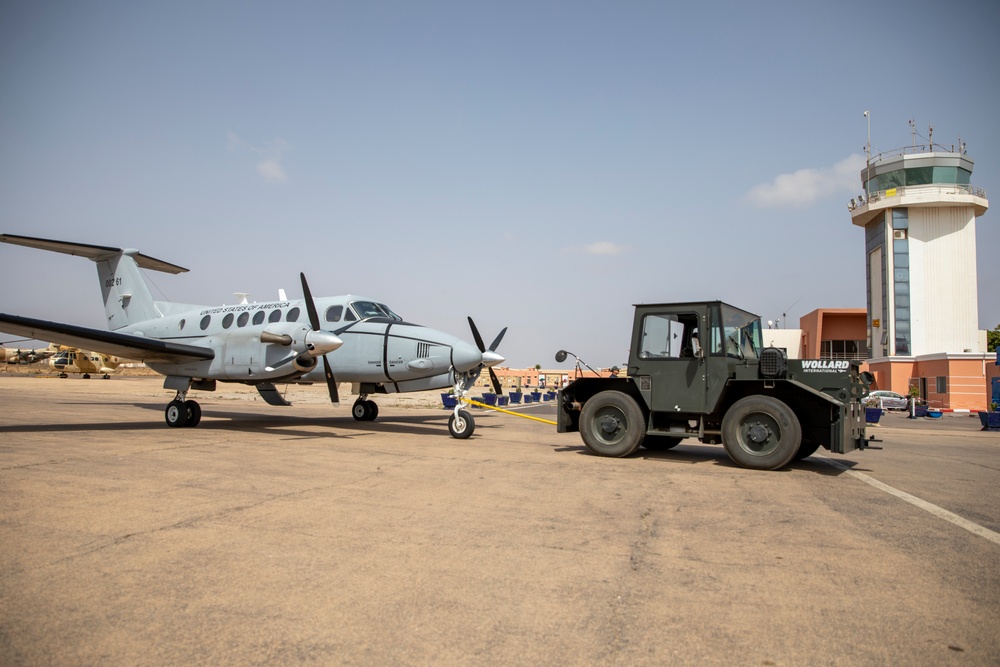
(127, 299)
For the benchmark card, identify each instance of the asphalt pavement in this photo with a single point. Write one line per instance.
(285, 536)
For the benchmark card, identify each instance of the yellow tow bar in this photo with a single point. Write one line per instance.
(509, 412)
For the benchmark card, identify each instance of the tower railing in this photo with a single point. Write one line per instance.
(938, 188)
(919, 148)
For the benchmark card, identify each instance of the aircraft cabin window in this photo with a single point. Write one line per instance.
(258, 317)
(227, 321)
(334, 313)
(293, 315)
(275, 316)
(180, 325)
(205, 321)
(242, 320)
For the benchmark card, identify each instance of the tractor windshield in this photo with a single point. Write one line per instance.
(735, 333)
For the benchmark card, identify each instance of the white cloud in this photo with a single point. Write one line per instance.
(271, 171)
(598, 248)
(268, 158)
(807, 186)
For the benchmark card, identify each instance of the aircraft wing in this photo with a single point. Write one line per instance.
(108, 342)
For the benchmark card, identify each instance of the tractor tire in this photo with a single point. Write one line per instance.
(761, 433)
(612, 424)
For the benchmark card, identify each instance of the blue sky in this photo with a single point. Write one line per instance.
(537, 165)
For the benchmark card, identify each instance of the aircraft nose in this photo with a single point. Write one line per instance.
(465, 357)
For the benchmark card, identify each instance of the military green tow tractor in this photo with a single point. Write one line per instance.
(700, 370)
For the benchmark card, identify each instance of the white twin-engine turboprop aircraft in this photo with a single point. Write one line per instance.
(359, 340)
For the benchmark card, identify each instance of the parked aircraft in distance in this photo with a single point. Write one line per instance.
(23, 356)
(85, 362)
(358, 339)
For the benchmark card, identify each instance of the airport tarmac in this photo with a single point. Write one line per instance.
(277, 536)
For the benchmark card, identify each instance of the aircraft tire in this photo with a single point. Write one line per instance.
(360, 411)
(176, 414)
(462, 426)
(193, 413)
(372, 410)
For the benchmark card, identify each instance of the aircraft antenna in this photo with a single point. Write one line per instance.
(150, 280)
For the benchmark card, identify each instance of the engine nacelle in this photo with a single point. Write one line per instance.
(305, 363)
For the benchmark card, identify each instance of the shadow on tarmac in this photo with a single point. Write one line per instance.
(222, 420)
(696, 453)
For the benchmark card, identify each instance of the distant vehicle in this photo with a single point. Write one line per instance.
(19, 356)
(85, 362)
(890, 400)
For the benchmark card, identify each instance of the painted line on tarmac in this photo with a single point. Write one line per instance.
(939, 512)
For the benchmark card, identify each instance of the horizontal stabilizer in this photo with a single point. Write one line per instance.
(94, 252)
(107, 342)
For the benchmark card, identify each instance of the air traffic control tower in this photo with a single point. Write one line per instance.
(919, 213)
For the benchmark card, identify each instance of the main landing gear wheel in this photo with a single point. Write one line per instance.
(193, 413)
(177, 414)
(612, 424)
(183, 413)
(461, 424)
(761, 433)
(364, 411)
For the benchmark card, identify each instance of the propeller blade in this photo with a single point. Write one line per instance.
(331, 383)
(476, 336)
(310, 306)
(497, 388)
(287, 360)
(496, 341)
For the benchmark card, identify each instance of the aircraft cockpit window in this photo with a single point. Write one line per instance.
(293, 315)
(242, 320)
(258, 317)
(275, 316)
(205, 321)
(350, 316)
(366, 309)
(334, 313)
(227, 321)
(390, 313)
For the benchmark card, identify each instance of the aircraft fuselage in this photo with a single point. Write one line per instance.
(381, 349)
